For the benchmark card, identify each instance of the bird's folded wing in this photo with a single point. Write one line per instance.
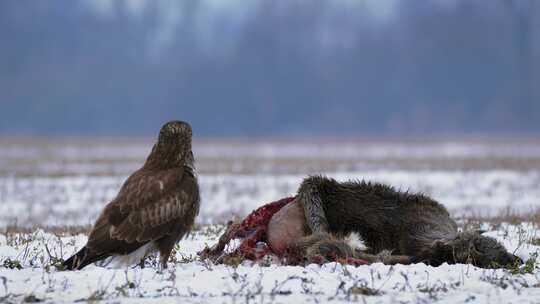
(155, 220)
(149, 207)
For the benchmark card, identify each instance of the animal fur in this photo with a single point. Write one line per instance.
(413, 227)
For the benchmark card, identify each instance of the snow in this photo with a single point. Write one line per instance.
(55, 183)
(64, 200)
(190, 280)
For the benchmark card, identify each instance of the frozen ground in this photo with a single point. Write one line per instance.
(53, 184)
(189, 280)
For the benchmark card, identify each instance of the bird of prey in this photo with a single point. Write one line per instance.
(155, 207)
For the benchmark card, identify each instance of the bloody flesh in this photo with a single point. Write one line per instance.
(254, 227)
(253, 231)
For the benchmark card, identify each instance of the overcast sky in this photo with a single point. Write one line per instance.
(270, 67)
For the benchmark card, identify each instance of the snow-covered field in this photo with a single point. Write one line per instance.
(47, 185)
(77, 200)
(189, 280)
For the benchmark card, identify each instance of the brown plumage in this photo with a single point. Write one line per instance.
(156, 205)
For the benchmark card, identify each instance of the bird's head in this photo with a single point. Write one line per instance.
(175, 133)
(173, 147)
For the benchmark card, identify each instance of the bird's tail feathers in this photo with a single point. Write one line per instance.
(81, 259)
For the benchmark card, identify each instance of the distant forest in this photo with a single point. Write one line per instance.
(270, 68)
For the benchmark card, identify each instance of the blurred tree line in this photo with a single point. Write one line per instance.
(271, 67)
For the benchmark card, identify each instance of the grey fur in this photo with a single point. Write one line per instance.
(414, 227)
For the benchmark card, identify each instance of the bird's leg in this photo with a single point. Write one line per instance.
(165, 247)
(141, 263)
(163, 258)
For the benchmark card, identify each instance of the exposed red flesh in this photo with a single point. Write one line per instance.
(253, 232)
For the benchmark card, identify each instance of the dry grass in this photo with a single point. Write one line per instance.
(56, 230)
(469, 222)
(507, 215)
(120, 156)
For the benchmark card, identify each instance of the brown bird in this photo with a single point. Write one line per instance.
(155, 207)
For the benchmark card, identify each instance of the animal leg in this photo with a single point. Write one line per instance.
(310, 198)
(230, 233)
(384, 257)
(320, 248)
